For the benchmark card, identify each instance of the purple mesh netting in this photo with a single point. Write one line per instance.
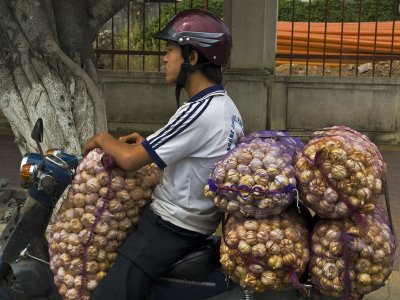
(340, 172)
(256, 178)
(266, 254)
(349, 259)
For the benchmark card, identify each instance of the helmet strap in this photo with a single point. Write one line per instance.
(185, 67)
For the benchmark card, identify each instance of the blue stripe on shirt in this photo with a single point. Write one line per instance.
(154, 156)
(206, 91)
(212, 89)
(186, 125)
(153, 140)
(159, 140)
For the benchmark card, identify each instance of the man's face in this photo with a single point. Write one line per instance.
(172, 62)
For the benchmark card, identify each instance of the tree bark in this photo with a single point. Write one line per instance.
(47, 70)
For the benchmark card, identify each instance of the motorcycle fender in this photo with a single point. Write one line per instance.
(36, 279)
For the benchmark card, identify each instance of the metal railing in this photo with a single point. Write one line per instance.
(125, 42)
(314, 37)
(339, 37)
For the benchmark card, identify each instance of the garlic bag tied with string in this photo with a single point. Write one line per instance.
(257, 177)
(266, 254)
(340, 173)
(94, 220)
(353, 255)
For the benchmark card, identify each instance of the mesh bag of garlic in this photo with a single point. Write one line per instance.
(352, 256)
(257, 177)
(94, 220)
(340, 173)
(266, 254)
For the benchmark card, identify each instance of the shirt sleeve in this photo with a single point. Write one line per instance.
(184, 134)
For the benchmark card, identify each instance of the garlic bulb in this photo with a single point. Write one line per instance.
(367, 263)
(340, 173)
(89, 222)
(258, 254)
(93, 185)
(256, 178)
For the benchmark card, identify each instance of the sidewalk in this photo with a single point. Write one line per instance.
(10, 159)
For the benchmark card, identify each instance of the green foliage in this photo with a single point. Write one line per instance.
(150, 26)
(297, 10)
(338, 10)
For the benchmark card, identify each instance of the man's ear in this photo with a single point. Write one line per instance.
(193, 57)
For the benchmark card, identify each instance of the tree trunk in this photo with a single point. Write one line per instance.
(47, 70)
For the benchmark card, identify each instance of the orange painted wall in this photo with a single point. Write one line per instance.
(337, 39)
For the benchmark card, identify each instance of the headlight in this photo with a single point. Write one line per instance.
(53, 151)
(29, 168)
(28, 173)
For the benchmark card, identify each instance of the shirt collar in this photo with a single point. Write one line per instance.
(205, 92)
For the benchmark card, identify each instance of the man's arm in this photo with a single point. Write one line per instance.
(130, 157)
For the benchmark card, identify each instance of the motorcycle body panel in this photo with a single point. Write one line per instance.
(58, 168)
(30, 278)
(214, 284)
(28, 227)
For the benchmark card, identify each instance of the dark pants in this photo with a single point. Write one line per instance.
(144, 256)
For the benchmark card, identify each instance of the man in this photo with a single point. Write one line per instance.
(201, 131)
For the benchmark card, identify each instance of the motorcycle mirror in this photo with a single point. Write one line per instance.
(37, 134)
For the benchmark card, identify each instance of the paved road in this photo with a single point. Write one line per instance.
(392, 159)
(10, 159)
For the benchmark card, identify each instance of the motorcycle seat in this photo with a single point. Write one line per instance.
(199, 263)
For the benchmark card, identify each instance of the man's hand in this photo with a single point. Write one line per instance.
(133, 138)
(92, 143)
(130, 157)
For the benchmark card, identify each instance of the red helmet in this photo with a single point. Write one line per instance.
(202, 30)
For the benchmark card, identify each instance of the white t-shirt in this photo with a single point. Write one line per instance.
(195, 138)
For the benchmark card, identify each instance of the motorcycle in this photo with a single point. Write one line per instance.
(24, 263)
